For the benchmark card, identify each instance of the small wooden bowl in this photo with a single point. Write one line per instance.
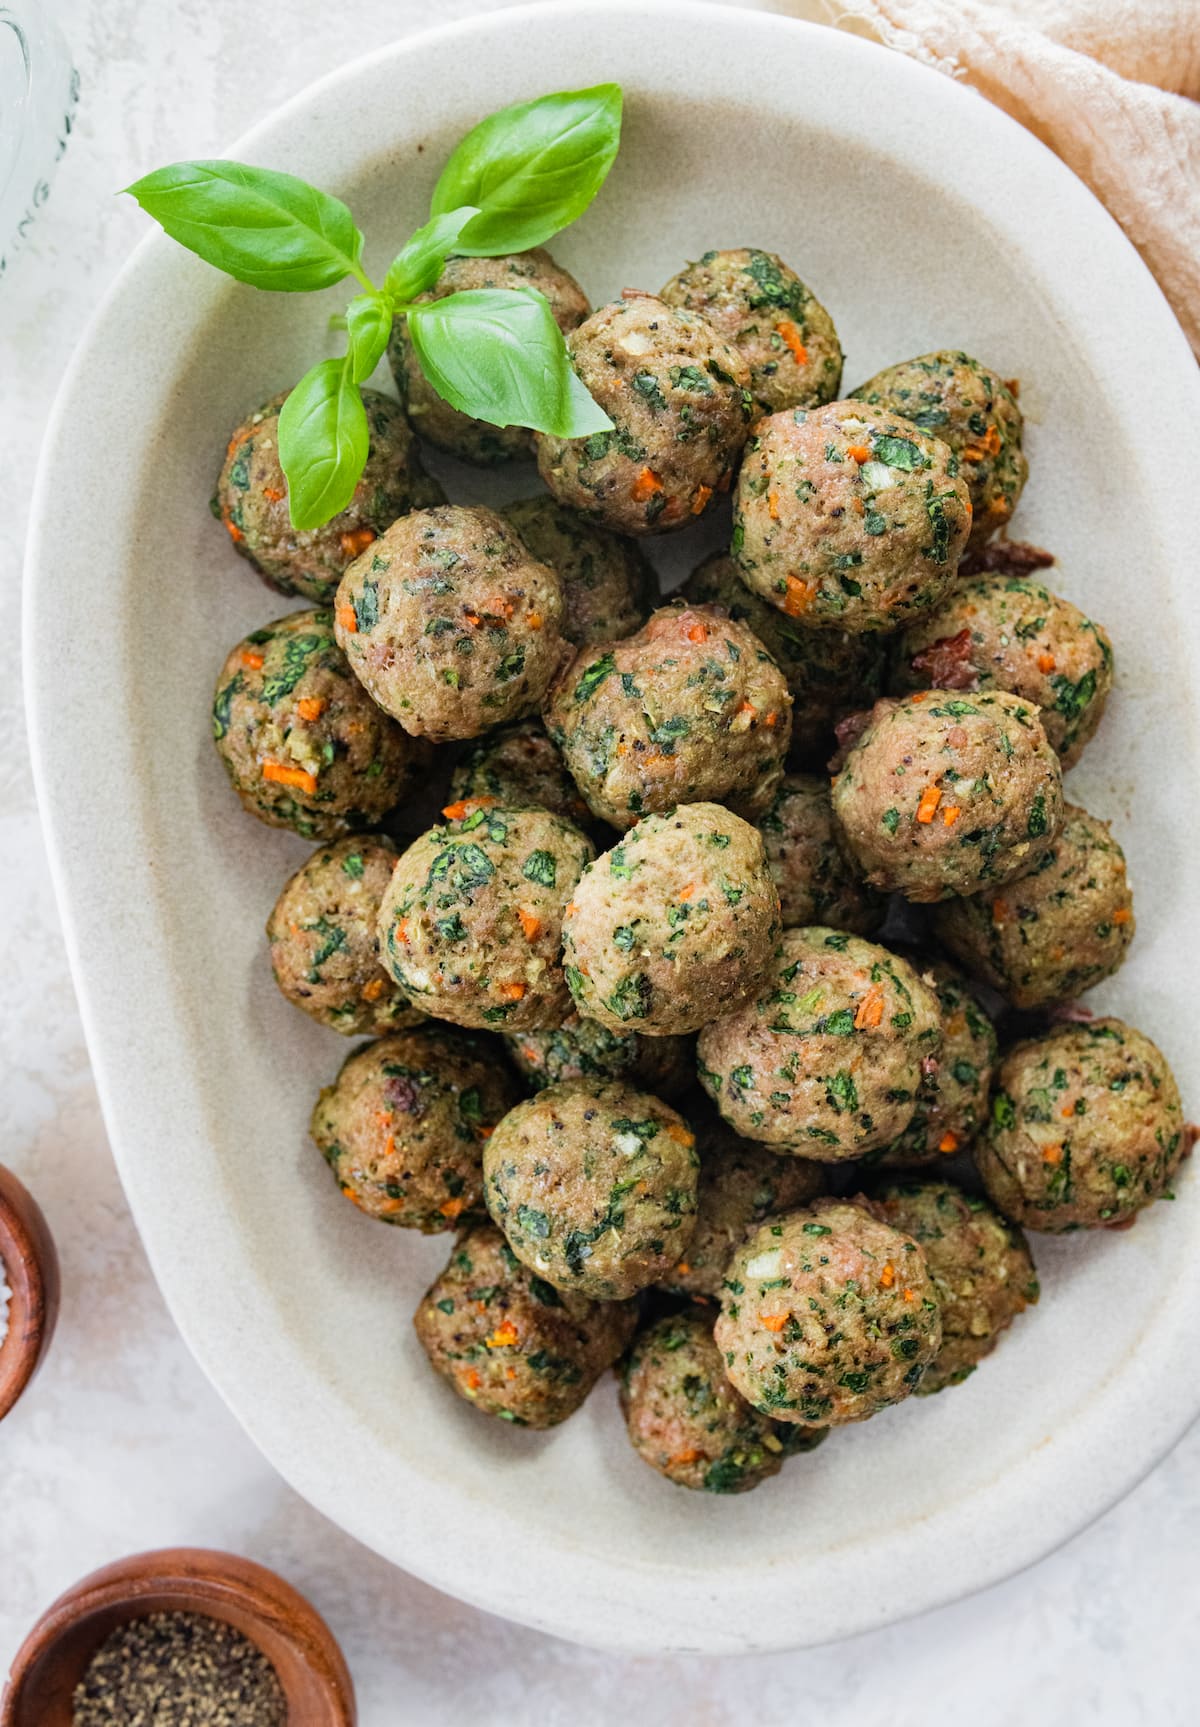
(31, 1266)
(290, 1633)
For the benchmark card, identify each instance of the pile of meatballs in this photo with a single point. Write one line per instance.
(636, 1046)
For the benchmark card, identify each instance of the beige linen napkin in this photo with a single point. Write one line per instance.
(1110, 85)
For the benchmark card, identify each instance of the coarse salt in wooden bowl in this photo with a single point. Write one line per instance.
(280, 1622)
(30, 1265)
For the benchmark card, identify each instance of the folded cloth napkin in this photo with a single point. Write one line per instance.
(1110, 85)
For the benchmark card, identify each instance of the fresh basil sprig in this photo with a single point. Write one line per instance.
(514, 181)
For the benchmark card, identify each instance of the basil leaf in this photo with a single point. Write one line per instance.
(323, 442)
(498, 355)
(418, 263)
(368, 326)
(532, 168)
(265, 228)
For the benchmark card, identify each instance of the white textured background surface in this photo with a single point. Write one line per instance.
(121, 1444)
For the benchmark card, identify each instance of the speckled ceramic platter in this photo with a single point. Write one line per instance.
(923, 218)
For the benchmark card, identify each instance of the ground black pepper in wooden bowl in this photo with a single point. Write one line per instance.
(179, 1670)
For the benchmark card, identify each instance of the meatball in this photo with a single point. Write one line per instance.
(780, 329)
(471, 924)
(508, 1341)
(972, 411)
(981, 1268)
(828, 1315)
(952, 1098)
(325, 944)
(1086, 1128)
(677, 923)
(676, 394)
(608, 587)
(685, 1419)
(594, 1184)
(690, 709)
(475, 440)
(827, 1063)
(741, 1185)
(830, 673)
(252, 501)
(1055, 932)
(450, 624)
(1011, 633)
(584, 1049)
(947, 794)
(518, 765)
(302, 742)
(848, 518)
(816, 881)
(403, 1124)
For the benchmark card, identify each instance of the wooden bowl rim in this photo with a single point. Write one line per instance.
(31, 1268)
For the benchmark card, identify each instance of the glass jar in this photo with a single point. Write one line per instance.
(39, 93)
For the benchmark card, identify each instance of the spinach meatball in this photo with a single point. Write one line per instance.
(518, 765)
(608, 587)
(952, 1098)
(827, 1063)
(981, 1268)
(594, 1184)
(252, 500)
(762, 308)
(403, 1125)
(1011, 633)
(471, 440)
(741, 1185)
(584, 1049)
(325, 943)
(816, 881)
(685, 1419)
(972, 411)
(676, 394)
(690, 709)
(508, 1341)
(949, 794)
(1086, 1128)
(828, 1315)
(848, 518)
(677, 923)
(450, 624)
(471, 923)
(830, 673)
(302, 742)
(1055, 932)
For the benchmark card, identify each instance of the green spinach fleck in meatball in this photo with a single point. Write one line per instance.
(952, 1099)
(518, 764)
(450, 623)
(594, 1185)
(471, 923)
(608, 586)
(947, 794)
(1086, 1128)
(828, 1315)
(691, 709)
(972, 411)
(675, 924)
(1011, 633)
(302, 742)
(252, 500)
(458, 434)
(324, 939)
(817, 882)
(676, 394)
(848, 518)
(508, 1341)
(980, 1264)
(403, 1125)
(1055, 932)
(584, 1049)
(685, 1419)
(827, 1063)
(778, 326)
